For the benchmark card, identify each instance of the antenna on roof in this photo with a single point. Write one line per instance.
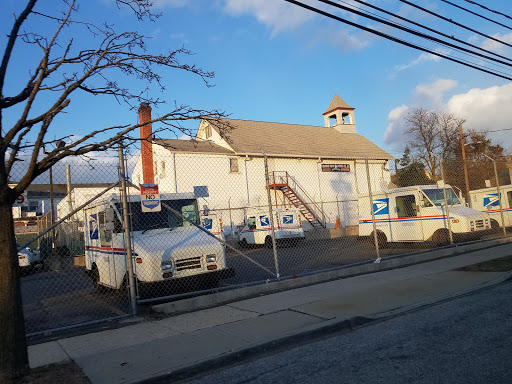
(147, 92)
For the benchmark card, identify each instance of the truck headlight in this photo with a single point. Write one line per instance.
(486, 221)
(212, 258)
(166, 265)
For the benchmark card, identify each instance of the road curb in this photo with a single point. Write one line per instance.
(308, 334)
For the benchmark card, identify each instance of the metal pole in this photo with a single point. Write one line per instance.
(466, 178)
(68, 184)
(499, 194)
(52, 210)
(271, 215)
(127, 229)
(446, 201)
(370, 195)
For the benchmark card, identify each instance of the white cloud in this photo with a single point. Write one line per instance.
(495, 46)
(423, 58)
(343, 40)
(486, 109)
(276, 14)
(483, 109)
(431, 95)
(394, 134)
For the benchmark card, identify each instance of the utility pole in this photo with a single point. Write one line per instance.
(466, 178)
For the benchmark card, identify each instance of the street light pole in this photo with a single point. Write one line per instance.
(466, 178)
(499, 194)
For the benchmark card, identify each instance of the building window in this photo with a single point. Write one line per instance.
(162, 168)
(155, 167)
(233, 165)
(208, 131)
(406, 206)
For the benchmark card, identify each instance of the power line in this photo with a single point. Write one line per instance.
(454, 22)
(476, 14)
(395, 39)
(411, 31)
(489, 9)
(429, 29)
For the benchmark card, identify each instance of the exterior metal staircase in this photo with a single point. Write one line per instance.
(282, 181)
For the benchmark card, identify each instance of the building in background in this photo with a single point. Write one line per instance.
(319, 169)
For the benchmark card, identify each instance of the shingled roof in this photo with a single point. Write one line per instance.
(285, 140)
(337, 102)
(192, 146)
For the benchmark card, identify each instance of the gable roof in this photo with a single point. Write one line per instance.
(292, 140)
(283, 140)
(337, 102)
(192, 146)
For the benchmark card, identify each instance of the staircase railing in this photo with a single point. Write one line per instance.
(283, 178)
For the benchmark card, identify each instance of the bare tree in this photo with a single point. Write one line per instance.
(423, 133)
(61, 71)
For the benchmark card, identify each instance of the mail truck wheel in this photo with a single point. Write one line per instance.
(268, 242)
(244, 244)
(382, 240)
(441, 236)
(495, 226)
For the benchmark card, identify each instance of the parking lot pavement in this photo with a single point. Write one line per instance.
(64, 298)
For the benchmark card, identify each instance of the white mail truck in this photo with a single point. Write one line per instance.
(165, 247)
(418, 213)
(486, 200)
(258, 230)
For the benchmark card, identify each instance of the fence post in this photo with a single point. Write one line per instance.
(370, 195)
(127, 229)
(448, 220)
(499, 193)
(271, 215)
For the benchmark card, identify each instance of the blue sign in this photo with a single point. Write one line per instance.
(207, 223)
(288, 219)
(381, 207)
(491, 199)
(93, 227)
(264, 222)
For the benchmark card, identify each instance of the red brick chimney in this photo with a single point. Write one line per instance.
(146, 146)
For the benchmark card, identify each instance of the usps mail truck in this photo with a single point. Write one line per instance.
(486, 200)
(258, 230)
(418, 213)
(165, 247)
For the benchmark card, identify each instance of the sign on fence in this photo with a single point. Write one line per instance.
(150, 198)
(21, 200)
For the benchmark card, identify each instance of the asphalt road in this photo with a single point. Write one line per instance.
(464, 340)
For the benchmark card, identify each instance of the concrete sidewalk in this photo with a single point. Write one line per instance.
(192, 342)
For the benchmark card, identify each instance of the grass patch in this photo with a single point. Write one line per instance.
(502, 264)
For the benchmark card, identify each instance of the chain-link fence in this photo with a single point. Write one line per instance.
(220, 222)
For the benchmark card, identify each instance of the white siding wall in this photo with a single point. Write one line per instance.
(335, 192)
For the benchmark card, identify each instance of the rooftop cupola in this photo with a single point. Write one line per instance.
(340, 116)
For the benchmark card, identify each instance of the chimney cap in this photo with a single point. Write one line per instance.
(144, 105)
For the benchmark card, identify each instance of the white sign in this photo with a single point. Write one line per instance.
(21, 200)
(150, 198)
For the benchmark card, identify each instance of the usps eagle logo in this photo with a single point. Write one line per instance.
(207, 223)
(288, 219)
(93, 227)
(264, 222)
(491, 200)
(381, 207)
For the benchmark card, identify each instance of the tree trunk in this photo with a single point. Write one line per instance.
(13, 348)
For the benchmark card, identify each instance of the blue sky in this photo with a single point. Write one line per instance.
(276, 62)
